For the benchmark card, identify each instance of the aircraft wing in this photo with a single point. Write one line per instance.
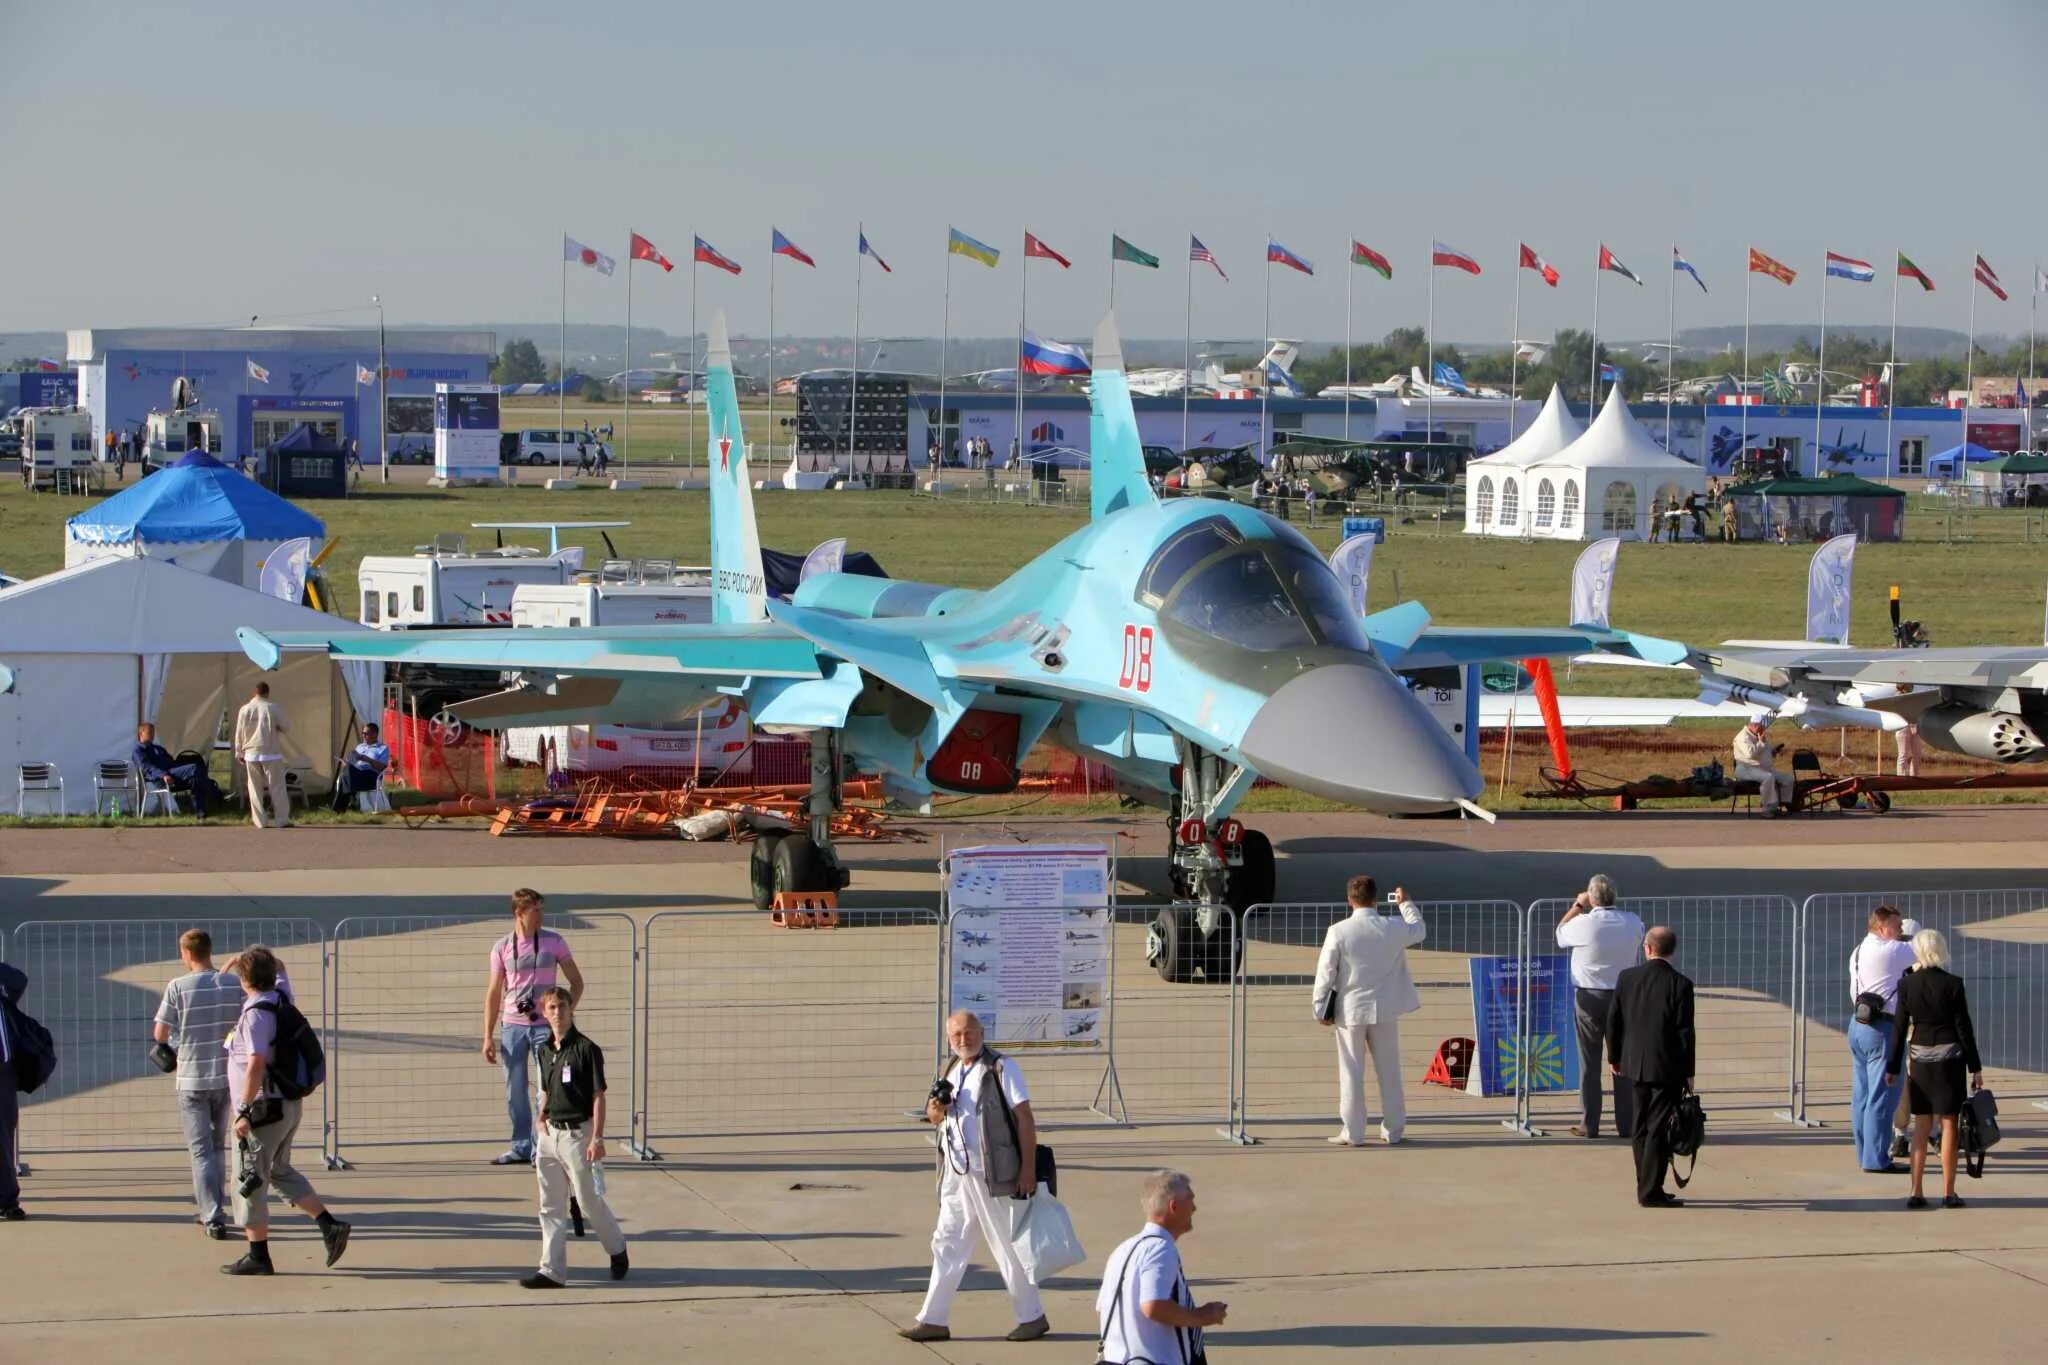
(1446, 646)
(735, 650)
(1496, 710)
(1995, 668)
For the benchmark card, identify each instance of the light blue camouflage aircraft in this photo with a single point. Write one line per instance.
(1191, 645)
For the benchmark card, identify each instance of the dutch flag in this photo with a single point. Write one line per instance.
(1849, 268)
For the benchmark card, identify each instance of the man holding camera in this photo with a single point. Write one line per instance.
(265, 1122)
(1605, 941)
(988, 1151)
(524, 964)
(571, 1143)
(198, 1010)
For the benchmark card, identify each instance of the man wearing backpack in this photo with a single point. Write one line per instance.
(273, 1063)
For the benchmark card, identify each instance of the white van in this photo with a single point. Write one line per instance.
(54, 439)
(547, 447)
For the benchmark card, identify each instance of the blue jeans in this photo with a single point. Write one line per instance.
(207, 1119)
(1871, 1101)
(516, 1046)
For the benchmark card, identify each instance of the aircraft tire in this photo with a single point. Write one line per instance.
(1175, 940)
(1254, 881)
(761, 869)
(799, 866)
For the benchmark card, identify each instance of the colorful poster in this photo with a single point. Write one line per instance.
(1030, 944)
(1552, 1055)
(466, 432)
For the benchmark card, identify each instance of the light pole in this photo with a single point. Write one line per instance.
(383, 455)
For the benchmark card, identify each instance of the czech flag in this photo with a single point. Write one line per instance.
(1849, 268)
(1531, 261)
(643, 250)
(869, 251)
(1034, 247)
(1277, 254)
(1035, 355)
(1439, 254)
(782, 246)
(708, 254)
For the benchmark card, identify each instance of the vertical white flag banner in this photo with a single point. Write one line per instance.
(827, 556)
(284, 570)
(1352, 563)
(1827, 590)
(1593, 583)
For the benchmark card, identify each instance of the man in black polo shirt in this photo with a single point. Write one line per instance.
(570, 1139)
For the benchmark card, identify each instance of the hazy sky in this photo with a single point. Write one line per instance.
(186, 163)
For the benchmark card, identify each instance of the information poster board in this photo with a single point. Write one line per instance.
(1553, 1055)
(466, 432)
(1030, 947)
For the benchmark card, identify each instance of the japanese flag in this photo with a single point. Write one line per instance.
(573, 250)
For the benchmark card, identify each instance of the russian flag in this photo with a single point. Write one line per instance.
(1440, 254)
(1036, 355)
(1277, 254)
(1849, 268)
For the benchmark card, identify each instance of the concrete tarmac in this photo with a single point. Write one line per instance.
(1465, 1241)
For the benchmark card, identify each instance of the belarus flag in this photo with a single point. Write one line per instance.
(1849, 268)
(1035, 355)
(1439, 254)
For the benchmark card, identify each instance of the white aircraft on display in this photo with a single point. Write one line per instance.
(1275, 369)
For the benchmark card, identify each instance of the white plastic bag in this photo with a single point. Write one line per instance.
(1042, 1235)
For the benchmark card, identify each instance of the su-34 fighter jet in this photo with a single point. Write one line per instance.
(1190, 645)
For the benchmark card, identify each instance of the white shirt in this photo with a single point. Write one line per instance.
(1604, 942)
(961, 1133)
(1144, 1269)
(1753, 750)
(1876, 968)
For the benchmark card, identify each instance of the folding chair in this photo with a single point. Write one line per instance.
(38, 779)
(158, 791)
(113, 784)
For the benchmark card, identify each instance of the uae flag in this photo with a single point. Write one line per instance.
(1760, 264)
(1531, 261)
(1609, 261)
(1121, 250)
(644, 250)
(1361, 254)
(1034, 247)
(1913, 272)
(1988, 277)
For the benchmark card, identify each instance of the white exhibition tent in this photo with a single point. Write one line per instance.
(1603, 483)
(1497, 499)
(96, 649)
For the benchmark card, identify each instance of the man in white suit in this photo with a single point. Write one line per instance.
(1364, 966)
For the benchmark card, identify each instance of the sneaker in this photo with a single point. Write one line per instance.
(248, 1265)
(1901, 1144)
(1029, 1331)
(335, 1235)
(620, 1265)
(217, 1232)
(539, 1281)
(1339, 1140)
(14, 1213)
(1914, 1201)
(511, 1159)
(925, 1331)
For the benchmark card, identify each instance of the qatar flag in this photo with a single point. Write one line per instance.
(573, 250)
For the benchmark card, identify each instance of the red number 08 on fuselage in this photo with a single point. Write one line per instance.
(1136, 674)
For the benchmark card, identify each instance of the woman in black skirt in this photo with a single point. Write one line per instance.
(1934, 1012)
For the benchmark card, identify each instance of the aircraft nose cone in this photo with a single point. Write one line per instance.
(1356, 734)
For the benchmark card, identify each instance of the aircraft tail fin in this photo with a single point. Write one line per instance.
(1116, 456)
(738, 590)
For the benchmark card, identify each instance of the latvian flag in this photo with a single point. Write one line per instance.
(1848, 268)
(1988, 277)
(1035, 355)
(708, 254)
(1034, 247)
(782, 246)
(1609, 261)
(1277, 254)
(1439, 254)
(1531, 261)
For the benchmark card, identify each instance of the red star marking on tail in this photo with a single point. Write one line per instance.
(724, 452)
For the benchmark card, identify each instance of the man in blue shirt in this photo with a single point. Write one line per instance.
(364, 768)
(152, 760)
(1146, 1309)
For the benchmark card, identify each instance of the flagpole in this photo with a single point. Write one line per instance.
(626, 381)
(1891, 387)
(383, 456)
(2033, 338)
(1593, 384)
(853, 394)
(1350, 271)
(1023, 303)
(1742, 384)
(562, 378)
(1820, 378)
(696, 390)
(1514, 346)
(1187, 353)
(1429, 355)
(1671, 351)
(772, 254)
(945, 336)
(1112, 272)
(1969, 369)
(1266, 339)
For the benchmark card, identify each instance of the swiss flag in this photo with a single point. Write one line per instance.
(644, 250)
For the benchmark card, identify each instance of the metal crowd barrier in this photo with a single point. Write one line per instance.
(1288, 1064)
(748, 1029)
(1742, 955)
(404, 1059)
(96, 985)
(1998, 945)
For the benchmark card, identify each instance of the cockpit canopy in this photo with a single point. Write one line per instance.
(1254, 594)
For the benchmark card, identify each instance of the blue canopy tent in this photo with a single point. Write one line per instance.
(198, 514)
(1948, 464)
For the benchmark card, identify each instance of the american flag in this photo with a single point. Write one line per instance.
(1198, 252)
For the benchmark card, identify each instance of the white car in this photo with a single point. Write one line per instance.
(547, 447)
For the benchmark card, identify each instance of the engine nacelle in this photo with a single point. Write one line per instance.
(1998, 735)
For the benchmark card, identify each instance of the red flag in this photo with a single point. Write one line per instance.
(1988, 277)
(644, 250)
(1440, 254)
(1760, 264)
(1034, 247)
(1531, 261)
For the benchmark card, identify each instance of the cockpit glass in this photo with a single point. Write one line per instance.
(1188, 547)
(1320, 596)
(1239, 598)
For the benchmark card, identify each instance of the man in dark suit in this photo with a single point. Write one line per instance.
(13, 984)
(1650, 1041)
(152, 760)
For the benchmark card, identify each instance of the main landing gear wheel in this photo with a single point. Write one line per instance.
(761, 869)
(1172, 943)
(800, 866)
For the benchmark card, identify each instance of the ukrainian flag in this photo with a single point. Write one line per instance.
(960, 244)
